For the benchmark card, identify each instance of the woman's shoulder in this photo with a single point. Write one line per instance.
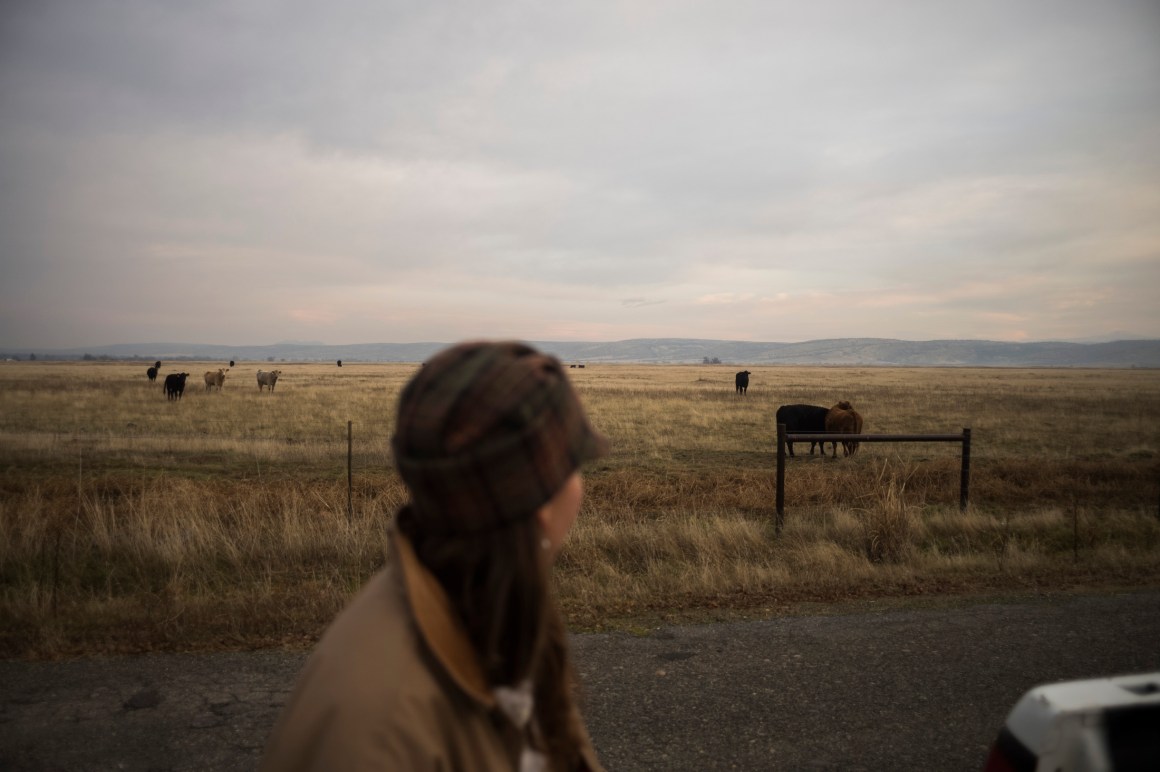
(364, 692)
(372, 644)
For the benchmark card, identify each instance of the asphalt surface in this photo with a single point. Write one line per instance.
(891, 690)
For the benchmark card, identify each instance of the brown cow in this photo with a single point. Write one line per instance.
(214, 379)
(844, 419)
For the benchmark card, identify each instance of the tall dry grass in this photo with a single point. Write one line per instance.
(128, 522)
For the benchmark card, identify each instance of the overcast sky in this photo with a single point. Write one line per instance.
(247, 172)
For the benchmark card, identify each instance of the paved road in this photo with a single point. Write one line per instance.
(897, 690)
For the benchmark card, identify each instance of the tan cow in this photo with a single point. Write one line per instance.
(844, 419)
(214, 379)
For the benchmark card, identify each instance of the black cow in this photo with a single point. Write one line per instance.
(152, 373)
(175, 385)
(803, 418)
(741, 381)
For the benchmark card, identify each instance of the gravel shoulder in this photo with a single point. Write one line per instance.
(896, 689)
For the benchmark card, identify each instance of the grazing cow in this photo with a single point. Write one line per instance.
(803, 418)
(741, 381)
(268, 378)
(231, 363)
(175, 385)
(214, 379)
(844, 419)
(152, 373)
(340, 363)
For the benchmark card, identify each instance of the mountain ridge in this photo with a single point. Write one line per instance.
(827, 351)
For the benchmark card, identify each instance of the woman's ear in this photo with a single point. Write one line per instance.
(543, 517)
(558, 514)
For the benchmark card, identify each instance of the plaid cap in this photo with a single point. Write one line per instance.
(487, 432)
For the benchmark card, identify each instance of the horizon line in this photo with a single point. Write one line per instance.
(73, 348)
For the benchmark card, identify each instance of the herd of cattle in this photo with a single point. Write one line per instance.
(175, 382)
(842, 418)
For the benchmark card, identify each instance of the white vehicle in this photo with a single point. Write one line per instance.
(1098, 725)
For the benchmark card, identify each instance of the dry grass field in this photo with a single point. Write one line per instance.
(130, 523)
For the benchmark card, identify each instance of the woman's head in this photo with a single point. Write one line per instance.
(487, 433)
(489, 441)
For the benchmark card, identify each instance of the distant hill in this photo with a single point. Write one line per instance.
(837, 351)
(871, 351)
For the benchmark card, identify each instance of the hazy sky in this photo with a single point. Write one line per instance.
(246, 172)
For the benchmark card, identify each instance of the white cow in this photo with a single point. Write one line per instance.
(268, 378)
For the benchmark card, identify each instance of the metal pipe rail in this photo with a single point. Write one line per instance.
(835, 437)
(783, 437)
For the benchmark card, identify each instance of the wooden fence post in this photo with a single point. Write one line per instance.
(349, 473)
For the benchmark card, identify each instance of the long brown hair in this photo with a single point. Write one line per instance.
(498, 582)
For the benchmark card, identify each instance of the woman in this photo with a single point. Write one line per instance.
(454, 657)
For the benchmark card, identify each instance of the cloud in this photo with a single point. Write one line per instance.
(314, 316)
(394, 172)
(640, 302)
(724, 299)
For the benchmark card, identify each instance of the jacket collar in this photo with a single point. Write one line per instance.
(439, 626)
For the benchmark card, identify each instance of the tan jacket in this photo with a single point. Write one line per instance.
(394, 684)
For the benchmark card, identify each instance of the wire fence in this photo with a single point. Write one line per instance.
(238, 431)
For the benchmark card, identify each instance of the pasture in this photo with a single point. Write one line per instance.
(129, 522)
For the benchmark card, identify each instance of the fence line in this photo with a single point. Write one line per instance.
(784, 436)
(179, 433)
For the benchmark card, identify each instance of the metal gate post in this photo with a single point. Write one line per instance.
(780, 476)
(965, 479)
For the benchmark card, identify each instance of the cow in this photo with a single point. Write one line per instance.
(268, 378)
(844, 419)
(803, 418)
(741, 381)
(340, 363)
(152, 373)
(175, 385)
(214, 379)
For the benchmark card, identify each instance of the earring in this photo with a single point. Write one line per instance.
(545, 544)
